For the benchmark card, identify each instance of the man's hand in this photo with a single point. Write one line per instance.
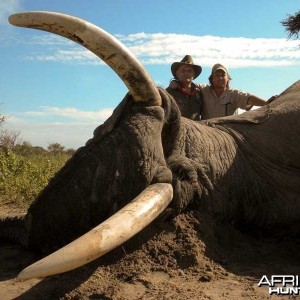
(272, 99)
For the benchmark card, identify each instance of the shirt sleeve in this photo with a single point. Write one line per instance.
(240, 98)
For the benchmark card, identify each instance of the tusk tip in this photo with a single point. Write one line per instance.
(29, 273)
(15, 19)
(12, 19)
(23, 276)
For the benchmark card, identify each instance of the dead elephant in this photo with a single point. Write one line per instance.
(245, 169)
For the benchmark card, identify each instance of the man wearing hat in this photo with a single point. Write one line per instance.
(220, 100)
(186, 94)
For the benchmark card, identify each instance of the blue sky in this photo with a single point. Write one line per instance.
(53, 90)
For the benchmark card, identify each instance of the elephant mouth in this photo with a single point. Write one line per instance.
(154, 199)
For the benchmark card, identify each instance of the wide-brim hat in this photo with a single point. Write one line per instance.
(187, 60)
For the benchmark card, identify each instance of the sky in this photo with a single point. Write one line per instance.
(55, 91)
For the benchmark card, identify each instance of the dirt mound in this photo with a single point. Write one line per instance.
(191, 256)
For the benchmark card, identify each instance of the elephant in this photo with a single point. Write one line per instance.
(244, 169)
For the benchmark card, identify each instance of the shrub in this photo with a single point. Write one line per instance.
(22, 177)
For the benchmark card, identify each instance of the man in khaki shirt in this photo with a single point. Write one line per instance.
(219, 100)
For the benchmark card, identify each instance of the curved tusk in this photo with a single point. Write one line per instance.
(101, 43)
(110, 234)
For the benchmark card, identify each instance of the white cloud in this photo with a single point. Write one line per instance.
(54, 124)
(67, 56)
(162, 48)
(71, 113)
(206, 50)
(71, 134)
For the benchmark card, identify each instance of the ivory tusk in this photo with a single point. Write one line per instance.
(101, 43)
(110, 234)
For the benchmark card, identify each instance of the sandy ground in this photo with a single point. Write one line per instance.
(188, 257)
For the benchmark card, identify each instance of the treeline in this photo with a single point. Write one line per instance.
(11, 140)
(25, 169)
(26, 149)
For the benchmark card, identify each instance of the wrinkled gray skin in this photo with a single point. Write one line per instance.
(244, 169)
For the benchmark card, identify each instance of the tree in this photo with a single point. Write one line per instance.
(292, 24)
(70, 151)
(2, 118)
(9, 138)
(26, 149)
(55, 148)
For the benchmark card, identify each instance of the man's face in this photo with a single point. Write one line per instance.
(220, 79)
(185, 74)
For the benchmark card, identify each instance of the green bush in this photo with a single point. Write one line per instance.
(22, 177)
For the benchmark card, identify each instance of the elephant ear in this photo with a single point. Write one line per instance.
(105, 128)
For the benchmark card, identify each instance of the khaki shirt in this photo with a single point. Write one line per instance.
(189, 106)
(226, 105)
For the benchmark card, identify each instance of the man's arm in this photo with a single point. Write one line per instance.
(255, 101)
